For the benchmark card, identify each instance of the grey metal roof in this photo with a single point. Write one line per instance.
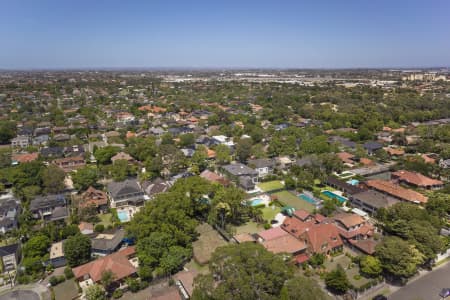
(262, 163)
(126, 187)
(239, 170)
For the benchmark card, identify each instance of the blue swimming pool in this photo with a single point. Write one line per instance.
(307, 199)
(353, 181)
(123, 216)
(256, 202)
(332, 195)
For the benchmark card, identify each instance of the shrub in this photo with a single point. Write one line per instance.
(133, 285)
(143, 284)
(68, 273)
(117, 294)
(99, 228)
(171, 281)
(267, 226)
(54, 280)
(357, 277)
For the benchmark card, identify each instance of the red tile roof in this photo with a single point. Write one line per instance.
(416, 179)
(25, 157)
(349, 220)
(93, 197)
(295, 227)
(396, 191)
(117, 263)
(285, 243)
(301, 214)
(323, 238)
(272, 233)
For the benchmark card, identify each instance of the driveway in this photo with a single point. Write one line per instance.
(26, 292)
(426, 287)
(20, 295)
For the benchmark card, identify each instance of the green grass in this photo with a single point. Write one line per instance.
(271, 185)
(269, 213)
(206, 243)
(193, 265)
(249, 227)
(105, 219)
(290, 199)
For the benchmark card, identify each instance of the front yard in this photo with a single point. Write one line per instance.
(351, 269)
(288, 198)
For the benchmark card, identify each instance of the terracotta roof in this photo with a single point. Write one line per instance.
(416, 179)
(117, 263)
(122, 155)
(349, 220)
(427, 159)
(213, 177)
(285, 243)
(25, 157)
(301, 214)
(319, 218)
(396, 191)
(366, 161)
(295, 227)
(93, 197)
(395, 151)
(85, 226)
(211, 153)
(272, 233)
(301, 258)
(323, 238)
(346, 157)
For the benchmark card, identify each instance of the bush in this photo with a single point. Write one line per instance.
(267, 226)
(117, 294)
(68, 273)
(99, 228)
(171, 281)
(133, 285)
(55, 280)
(357, 277)
(143, 284)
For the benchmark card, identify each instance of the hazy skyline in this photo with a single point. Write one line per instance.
(229, 34)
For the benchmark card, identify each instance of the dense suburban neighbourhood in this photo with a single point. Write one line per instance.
(224, 185)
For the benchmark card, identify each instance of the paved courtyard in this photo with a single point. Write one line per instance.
(20, 295)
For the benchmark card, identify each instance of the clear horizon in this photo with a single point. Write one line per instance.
(54, 35)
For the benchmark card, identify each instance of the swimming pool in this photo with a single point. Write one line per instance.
(307, 199)
(332, 195)
(256, 202)
(353, 181)
(123, 216)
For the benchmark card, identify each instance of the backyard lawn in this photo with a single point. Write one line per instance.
(249, 227)
(269, 213)
(271, 186)
(66, 290)
(105, 219)
(287, 198)
(207, 242)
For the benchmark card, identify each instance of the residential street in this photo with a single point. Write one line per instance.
(425, 288)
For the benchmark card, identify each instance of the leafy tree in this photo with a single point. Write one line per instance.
(243, 271)
(95, 292)
(244, 149)
(84, 178)
(199, 158)
(36, 246)
(398, 257)
(142, 149)
(107, 278)
(438, 204)
(302, 288)
(317, 259)
(337, 280)
(103, 155)
(7, 131)
(187, 140)
(370, 266)
(77, 249)
(120, 170)
(223, 154)
(53, 179)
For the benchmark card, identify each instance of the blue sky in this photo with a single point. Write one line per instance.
(227, 33)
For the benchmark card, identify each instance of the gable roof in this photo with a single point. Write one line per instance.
(396, 190)
(117, 263)
(301, 214)
(93, 197)
(8, 250)
(284, 243)
(108, 241)
(272, 233)
(349, 220)
(239, 170)
(416, 179)
(323, 238)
